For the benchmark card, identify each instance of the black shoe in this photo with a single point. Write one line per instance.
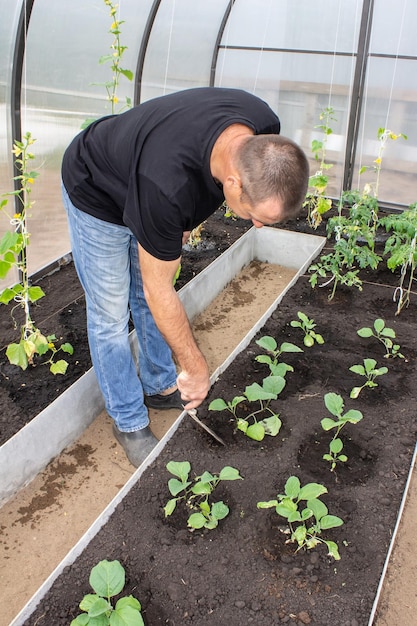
(137, 445)
(170, 401)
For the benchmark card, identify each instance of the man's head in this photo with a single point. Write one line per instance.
(273, 174)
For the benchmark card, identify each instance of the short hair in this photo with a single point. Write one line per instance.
(273, 166)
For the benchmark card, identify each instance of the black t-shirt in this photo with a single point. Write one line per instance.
(149, 168)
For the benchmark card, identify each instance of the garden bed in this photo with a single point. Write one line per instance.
(243, 571)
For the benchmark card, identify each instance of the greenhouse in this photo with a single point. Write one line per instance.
(292, 333)
(300, 57)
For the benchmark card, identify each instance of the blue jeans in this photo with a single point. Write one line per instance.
(107, 263)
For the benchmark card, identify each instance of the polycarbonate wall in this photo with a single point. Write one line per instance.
(356, 56)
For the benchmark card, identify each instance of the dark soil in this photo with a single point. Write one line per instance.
(62, 312)
(244, 572)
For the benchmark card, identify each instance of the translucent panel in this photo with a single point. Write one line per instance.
(65, 42)
(181, 46)
(298, 88)
(395, 110)
(394, 27)
(323, 25)
(11, 9)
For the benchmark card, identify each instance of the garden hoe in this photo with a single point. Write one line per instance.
(193, 414)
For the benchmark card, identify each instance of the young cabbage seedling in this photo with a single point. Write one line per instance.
(307, 325)
(196, 493)
(335, 405)
(305, 523)
(251, 425)
(385, 335)
(370, 372)
(272, 358)
(107, 579)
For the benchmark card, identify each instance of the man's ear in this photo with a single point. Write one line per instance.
(232, 185)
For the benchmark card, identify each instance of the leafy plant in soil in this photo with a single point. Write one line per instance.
(316, 202)
(13, 249)
(107, 579)
(196, 494)
(354, 230)
(276, 367)
(302, 532)
(251, 425)
(307, 325)
(335, 405)
(370, 372)
(385, 335)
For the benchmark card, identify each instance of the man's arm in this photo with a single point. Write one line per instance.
(171, 319)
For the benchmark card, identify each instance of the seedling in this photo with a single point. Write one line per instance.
(335, 405)
(305, 533)
(196, 493)
(251, 425)
(307, 325)
(107, 579)
(370, 372)
(272, 358)
(316, 202)
(114, 59)
(385, 335)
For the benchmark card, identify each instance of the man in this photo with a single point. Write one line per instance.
(134, 186)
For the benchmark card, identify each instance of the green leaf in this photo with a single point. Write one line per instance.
(59, 367)
(267, 343)
(357, 369)
(217, 405)
(127, 73)
(68, 348)
(352, 416)
(99, 607)
(311, 490)
(256, 432)
(196, 520)
(333, 550)
(175, 486)
(256, 392)
(35, 293)
(181, 469)
(107, 578)
(328, 424)
(169, 508)
(219, 510)
(273, 385)
(4, 268)
(379, 325)
(267, 504)
(229, 473)
(318, 508)
(336, 446)
(289, 347)
(201, 488)
(126, 616)
(308, 341)
(271, 425)
(17, 355)
(334, 403)
(88, 601)
(355, 392)
(330, 521)
(292, 487)
(365, 332)
(128, 601)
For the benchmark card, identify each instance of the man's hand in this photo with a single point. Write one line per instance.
(171, 319)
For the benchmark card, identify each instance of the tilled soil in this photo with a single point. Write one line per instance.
(244, 571)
